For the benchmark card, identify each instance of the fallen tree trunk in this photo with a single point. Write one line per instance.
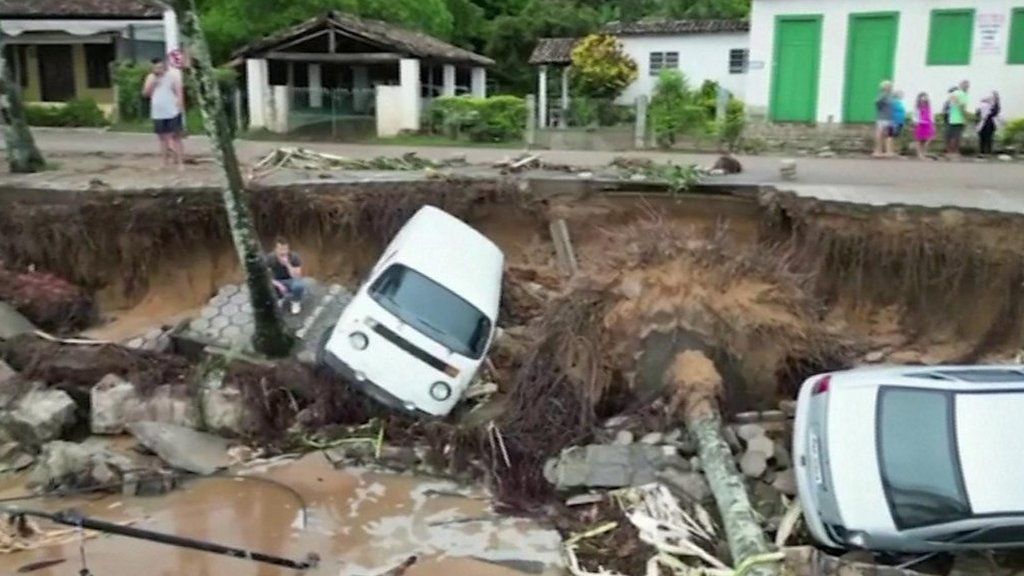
(697, 387)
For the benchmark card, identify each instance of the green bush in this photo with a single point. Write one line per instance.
(130, 78)
(731, 129)
(80, 112)
(1013, 134)
(591, 112)
(494, 119)
(674, 109)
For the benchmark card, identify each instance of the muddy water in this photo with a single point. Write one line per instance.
(358, 522)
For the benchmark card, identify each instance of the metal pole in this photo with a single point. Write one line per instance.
(72, 518)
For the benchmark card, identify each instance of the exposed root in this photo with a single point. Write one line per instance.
(696, 384)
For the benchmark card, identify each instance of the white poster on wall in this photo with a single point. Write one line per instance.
(991, 28)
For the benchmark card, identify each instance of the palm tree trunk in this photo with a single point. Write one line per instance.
(697, 389)
(22, 154)
(269, 337)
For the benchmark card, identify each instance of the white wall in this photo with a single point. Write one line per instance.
(701, 57)
(987, 71)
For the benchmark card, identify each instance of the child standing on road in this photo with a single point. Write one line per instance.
(924, 131)
(899, 119)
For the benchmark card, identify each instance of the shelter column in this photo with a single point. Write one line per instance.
(542, 97)
(478, 82)
(258, 90)
(565, 96)
(316, 87)
(448, 80)
(171, 41)
(360, 88)
(409, 81)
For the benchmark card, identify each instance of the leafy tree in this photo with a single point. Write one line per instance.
(513, 37)
(703, 9)
(469, 26)
(23, 155)
(600, 69)
(674, 108)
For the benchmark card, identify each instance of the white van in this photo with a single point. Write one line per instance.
(418, 329)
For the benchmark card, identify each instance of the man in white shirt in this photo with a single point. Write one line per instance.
(166, 104)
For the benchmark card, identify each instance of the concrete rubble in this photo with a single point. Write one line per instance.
(183, 448)
(115, 403)
(613, 466)
(12, 323)
(68, 465)
(39, 415)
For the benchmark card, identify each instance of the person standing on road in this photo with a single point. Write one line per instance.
(957, 119)
(286, 274)
(883, 118)
(899, 119)
(924, 130)
(166, 103)
(988, 122)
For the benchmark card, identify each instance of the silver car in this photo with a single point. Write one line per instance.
(913, 458)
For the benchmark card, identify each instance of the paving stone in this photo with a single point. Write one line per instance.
(652, 438)
(239, 298)
(135, 343)
(229, 309)
(334, 289)
(623, 438)
(753, 464)
(219, 323)
(749, 431)
(228, 290)
(208, 312)
(218, 301)
(241, 318)
(232, 332)
(762, 444)
(785, 482)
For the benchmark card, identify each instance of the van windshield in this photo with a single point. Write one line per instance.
(432, 309)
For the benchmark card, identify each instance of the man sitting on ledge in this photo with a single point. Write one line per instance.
(286, 274)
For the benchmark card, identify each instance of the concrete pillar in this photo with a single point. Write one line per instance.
(316, 87)
(409, 81)
(171, 40)
(640, 131)
(478, 82)
(448, 80)
(564, 120)
(258, 90)
(542, 97)
(361, 93)
(530, 134)
(281, 109)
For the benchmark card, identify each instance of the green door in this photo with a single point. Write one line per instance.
(870, 58)
(795, 68)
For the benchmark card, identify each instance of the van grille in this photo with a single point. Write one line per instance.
(409, 347)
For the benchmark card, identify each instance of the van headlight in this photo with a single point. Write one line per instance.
(358, 340)
(440, 391)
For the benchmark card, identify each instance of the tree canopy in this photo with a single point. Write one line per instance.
(505, 30)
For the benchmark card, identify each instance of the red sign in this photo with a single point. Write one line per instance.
(176, 58)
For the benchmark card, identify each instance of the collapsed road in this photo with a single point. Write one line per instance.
(770, 287)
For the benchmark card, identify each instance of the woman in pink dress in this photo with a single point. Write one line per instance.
(924, 132)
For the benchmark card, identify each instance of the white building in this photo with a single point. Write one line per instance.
(701, 49)
(822, 61)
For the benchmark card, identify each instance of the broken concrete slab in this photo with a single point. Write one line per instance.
(69, 465)
(39, 416)
(749, 431)
(623, 438)
(224, 411)
(652, 438)
(115, 403)
(600, 466)
(692, 485)
(753, 464)
(183, 448)
(12, 323)
(762, 444)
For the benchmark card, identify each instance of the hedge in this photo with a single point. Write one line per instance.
(80, 112)
(130, 78)
(494, 119)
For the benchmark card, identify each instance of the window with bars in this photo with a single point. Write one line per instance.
(97, 65)
(738, 60)
(663, 61)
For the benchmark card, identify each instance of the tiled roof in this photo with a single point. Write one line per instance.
(80, 9)
(374, 32)
(553, 51)
(672, 27)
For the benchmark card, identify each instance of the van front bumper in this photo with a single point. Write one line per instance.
(377, 393)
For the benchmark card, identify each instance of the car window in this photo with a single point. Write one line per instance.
(917, 457)
(432, 309)
(994, 535)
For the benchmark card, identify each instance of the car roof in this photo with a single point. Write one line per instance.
(452, 253)
(949, 377)
(990, 443)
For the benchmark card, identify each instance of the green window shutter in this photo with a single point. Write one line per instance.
(950, 37)
(1016, 55)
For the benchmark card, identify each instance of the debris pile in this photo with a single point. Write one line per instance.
(303, 159)
(50, 302)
